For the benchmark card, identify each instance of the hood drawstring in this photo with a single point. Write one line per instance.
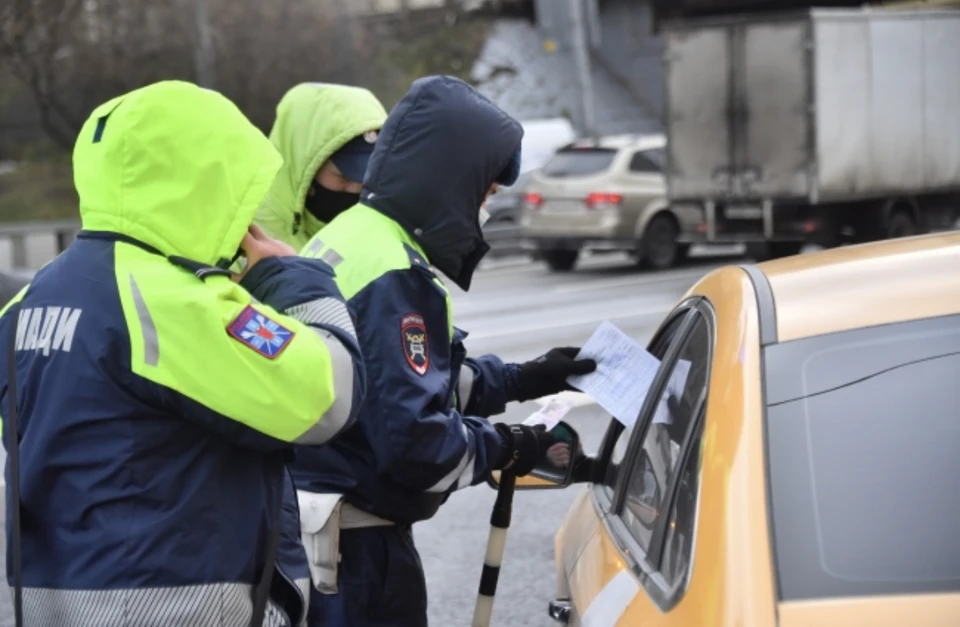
(297, 217)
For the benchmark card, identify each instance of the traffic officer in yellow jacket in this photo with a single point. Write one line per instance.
(159, 395)
(423, 430)
(325, 134)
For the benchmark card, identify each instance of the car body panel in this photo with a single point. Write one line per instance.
(837, 289)
(732, 578)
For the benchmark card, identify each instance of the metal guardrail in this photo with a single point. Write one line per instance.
(27, 246)
(30, 245)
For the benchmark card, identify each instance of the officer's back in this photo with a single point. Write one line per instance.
(157, 397)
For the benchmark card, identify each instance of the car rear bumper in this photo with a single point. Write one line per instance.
(596, 224)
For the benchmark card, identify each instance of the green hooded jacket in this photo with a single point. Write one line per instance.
(180, 169)
(314, 120)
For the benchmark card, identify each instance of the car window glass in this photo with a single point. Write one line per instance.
(656, 464)
(658, 349)
(648, 161)
(863, 463)
(579, 162)
(678, 546)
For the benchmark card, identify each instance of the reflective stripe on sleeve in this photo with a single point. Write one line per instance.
(465, 387)
(329, 311)
(337, 416)
(462, 475)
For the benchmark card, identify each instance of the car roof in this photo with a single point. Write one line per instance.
(866, 285)
(616, 142)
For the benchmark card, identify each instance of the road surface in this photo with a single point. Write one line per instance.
(519, 310)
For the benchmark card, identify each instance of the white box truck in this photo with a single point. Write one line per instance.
(824, 125)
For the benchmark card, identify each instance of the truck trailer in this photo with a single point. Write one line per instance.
(826, 126)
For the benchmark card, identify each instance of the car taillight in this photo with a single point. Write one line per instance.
(533, 200)
(602, 199)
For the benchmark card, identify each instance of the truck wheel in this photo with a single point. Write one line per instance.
(658, 247)
(900, 224)
(560, 260)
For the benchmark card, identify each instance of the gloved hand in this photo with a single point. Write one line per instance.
(548, 373)
(524, 447)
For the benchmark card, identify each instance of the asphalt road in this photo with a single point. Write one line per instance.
(518, 310)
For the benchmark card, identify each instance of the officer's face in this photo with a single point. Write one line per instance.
(329, 176)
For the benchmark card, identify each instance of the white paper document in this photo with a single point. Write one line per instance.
(550, 414)
(625, 371)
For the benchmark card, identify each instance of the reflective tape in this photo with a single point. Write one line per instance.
(208, 605)
(151, 348)
(608, 607)
(329, 311)
(338, 414)
(462, 475)
(465, 387)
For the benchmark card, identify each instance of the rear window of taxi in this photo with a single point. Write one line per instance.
(863, 447)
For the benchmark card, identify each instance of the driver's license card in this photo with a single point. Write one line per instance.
(550, 414)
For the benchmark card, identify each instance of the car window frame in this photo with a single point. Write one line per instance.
(673, 593)
(659, 171)
(646, 564)
(685, 310)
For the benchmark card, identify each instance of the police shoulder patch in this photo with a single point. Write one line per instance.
(260, 332)
(416, 347)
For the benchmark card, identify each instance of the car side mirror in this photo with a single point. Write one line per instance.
(556, 470)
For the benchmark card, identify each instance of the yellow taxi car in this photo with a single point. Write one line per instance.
(808, 470)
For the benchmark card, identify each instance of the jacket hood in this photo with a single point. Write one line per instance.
(438, 153)
(314, 120)
(175, 166)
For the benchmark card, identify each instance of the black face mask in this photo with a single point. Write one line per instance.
(325, 204)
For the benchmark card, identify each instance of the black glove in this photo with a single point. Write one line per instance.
(548, 373)
(524, 446)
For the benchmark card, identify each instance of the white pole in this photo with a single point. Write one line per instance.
(582, 55)
(203, 52)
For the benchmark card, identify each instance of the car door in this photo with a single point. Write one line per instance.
(643, 465)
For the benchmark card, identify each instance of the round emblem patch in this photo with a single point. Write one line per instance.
(413, 335)
(370, 137)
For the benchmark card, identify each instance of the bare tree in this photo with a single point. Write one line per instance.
(74, 54)
(33, 42)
